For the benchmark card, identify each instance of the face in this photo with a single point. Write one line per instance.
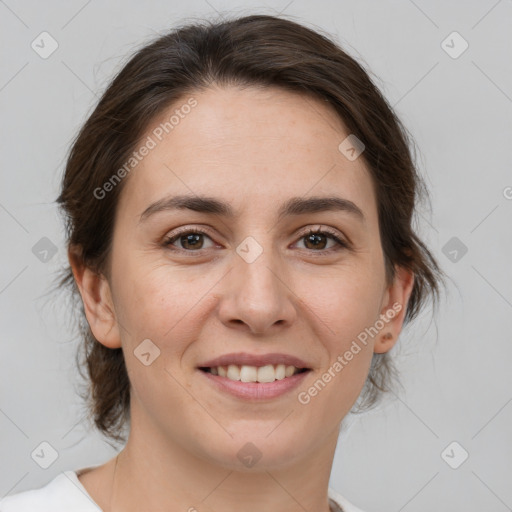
(240, 283)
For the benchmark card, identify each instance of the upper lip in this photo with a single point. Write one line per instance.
(244, 358)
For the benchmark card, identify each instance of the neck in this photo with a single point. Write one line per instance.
(160, 475)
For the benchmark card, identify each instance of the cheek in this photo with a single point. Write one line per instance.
(154, 306)
(345, 306)
(153, 310)
(161, 303)
(344, 300)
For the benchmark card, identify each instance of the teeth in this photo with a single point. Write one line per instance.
(246, 373)
(266, 373)
(233, 372)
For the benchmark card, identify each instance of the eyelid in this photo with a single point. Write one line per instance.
(320, 228)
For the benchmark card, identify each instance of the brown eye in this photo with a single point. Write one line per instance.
(315, 241)
(190, 240)
(318, 240)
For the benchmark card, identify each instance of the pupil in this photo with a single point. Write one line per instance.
(192, 239)
(314, 236)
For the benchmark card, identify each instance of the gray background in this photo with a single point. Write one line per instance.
(455, 369)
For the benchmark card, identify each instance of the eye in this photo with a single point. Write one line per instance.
(315, 240)
(189, 239)
(318, 239)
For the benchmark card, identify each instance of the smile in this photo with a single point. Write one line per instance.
(261, 374)
(254, 377)
(254, 391)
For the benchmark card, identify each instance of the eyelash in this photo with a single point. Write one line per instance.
(168, 241)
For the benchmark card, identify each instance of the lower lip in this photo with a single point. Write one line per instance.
(256, 391)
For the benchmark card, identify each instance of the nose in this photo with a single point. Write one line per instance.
(256, 296)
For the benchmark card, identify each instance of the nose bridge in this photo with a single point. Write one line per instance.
(258, 278)
(257, 294)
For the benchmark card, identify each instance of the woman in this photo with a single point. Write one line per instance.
(239, 211)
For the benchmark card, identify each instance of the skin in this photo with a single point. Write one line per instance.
(254, 149)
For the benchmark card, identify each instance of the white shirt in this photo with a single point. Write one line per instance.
(65, 493)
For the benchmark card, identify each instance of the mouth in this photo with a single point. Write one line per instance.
(254, 377)
(246, 373)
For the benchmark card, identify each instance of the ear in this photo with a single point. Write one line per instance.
(394, 307)
(97, 299)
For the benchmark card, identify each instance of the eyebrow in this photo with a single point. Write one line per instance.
(293, 206)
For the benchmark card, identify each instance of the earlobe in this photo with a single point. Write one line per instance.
(393, 312)
(385, 343)
(97, 299)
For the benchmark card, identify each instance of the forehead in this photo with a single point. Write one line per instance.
(252, 147)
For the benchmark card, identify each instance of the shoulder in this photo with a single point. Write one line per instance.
(345, 505)
(63, 493)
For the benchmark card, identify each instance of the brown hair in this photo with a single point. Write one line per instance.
(257, 50)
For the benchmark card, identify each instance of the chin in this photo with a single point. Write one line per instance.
(257, 449)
